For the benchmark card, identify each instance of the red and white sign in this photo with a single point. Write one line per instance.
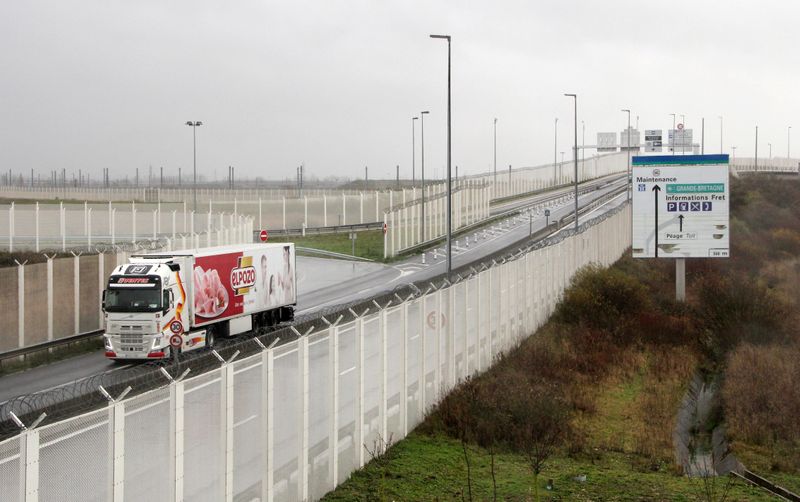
(175, 341)
(264, 235)
(385, 228)
(431, 320)
(176, 327)
(680, 127)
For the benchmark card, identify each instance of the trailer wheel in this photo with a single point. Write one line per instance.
(210, 337)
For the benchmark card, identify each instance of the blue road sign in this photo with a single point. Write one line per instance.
(706, 206)
(683, 206)
(695, 206)
(672, 206)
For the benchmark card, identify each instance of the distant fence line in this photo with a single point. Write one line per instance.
(292, 422)
(82, 226)
(773, 165)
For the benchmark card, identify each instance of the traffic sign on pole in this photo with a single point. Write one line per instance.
(264, 235)
(385, 228)
(680, 206)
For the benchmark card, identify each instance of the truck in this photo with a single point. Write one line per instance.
(158, 305)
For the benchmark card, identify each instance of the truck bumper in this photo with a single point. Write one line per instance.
(125, 347)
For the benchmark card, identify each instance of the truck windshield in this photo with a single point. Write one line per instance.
(133, 300)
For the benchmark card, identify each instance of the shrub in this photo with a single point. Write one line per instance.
(604, 299)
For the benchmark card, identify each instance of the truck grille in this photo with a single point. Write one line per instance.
(131, 339)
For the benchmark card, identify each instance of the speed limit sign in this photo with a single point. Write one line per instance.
(176, 341)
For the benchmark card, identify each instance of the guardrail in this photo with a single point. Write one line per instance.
(756, 480)
(50, 344)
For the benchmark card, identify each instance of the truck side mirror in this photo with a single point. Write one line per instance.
(103, 302)
(166, 302)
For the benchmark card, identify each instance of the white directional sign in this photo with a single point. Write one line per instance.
(652, 140)
(680, 206)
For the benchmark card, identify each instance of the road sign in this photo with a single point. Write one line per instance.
(680, 127)
(653, 140)
(175, 341)
(680, 207)
(385, 228)
(264, 235)
(431, 319)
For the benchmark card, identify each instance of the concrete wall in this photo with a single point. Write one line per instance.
(35, 303)
(8, 312)
(63, 298)
(89, 289)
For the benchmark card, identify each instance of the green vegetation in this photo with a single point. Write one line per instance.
(369, 243)
(601, 383)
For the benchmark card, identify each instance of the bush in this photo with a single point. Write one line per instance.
(604, 299)
(760, 394)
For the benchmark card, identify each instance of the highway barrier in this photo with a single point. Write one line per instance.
(291, 421)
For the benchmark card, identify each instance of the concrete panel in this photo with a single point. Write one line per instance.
(35, 303)
(8, 313)
(90, 305)
(63, 298)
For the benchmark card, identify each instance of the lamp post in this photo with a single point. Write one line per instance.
(449, 193)
(575, 155)
(194, 125)
(683, 134)
(674, 134)
(628, 168)
(755, 164)
(555, 147)
(583, 144)
(495, 151)
(720, 134)
(413, 152)
(422, 164)
(770, 150)
(789, 142)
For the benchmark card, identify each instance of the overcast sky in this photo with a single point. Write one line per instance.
(332, 84)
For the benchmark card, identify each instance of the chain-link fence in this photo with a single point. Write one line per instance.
(290, 421)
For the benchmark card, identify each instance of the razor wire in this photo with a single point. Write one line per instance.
(82, 396)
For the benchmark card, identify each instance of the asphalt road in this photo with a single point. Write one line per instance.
(324, 282)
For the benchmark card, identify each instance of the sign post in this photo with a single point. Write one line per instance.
(681, 210)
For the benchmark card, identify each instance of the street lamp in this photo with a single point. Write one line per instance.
(555, 149)
(194, 125)
(628, 169)
(495, 151)
(413, 152)
(789, 143)
(674, 133)
(683, 134)
(720, 134)
(449, 186)
(422, 144)
(583, 144)
(733, 151)
(575, 99)
(755, 164)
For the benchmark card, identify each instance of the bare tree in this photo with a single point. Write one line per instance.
(539, 420)
(377, 454)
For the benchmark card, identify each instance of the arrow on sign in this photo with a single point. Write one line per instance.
(680, 217)
(656, 189)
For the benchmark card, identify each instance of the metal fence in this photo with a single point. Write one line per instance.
(290, 422)
(765, 165)
(82, 226)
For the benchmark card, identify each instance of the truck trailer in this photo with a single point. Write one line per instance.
(158, 305)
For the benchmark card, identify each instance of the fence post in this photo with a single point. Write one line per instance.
(377, 203)
(21, 303)
(76, 291)
(11, 228)
(63, 225)
(29, 459)
(284, 212)
(305, 210)
(404, 378)
(333, 432)
(438, 320)
(302, 458)
(344, 209)
(422, 356)
(361, 206)
(116, 444)
(101, 263)
(359, 432)
(37, 227)
(382, 409)
(49, 297)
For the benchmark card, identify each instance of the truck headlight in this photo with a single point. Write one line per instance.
(156, 342)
